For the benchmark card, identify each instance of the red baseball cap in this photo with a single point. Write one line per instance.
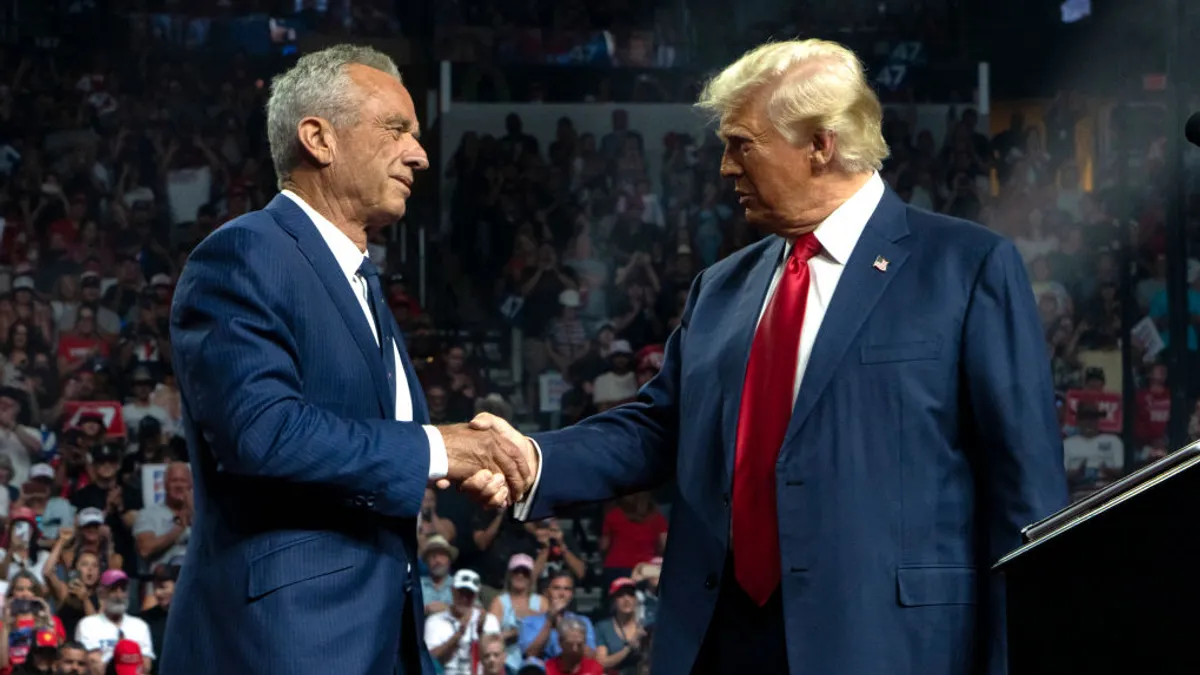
(46, 638)
(127, 658)
(650, 358)
(621, 583)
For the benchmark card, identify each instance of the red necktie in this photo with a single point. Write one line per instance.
(767, 400)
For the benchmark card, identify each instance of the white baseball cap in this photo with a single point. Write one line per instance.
(42, 470)
(90, 516)
(467, 580)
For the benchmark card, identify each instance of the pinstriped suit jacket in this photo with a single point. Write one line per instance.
(306, 490)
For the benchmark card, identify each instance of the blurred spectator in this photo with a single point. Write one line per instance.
(452, 636)
(161, 531)
(128, 658)
(498, 538)
(566, 340)
(8, 492)
(22, 550)
(163, 583)
(430, 523)
(20, 444)
(457, 382)
(58, 511)
(1158, 312)
(1093, 459)
(72, 659)
(557, 552)
(532, 666)
(573, 658)
(438, 555)
(492, 656)
(539, 635)
(112, 625)
(633, 532)
(118, 502)
(139, 406)
(25, 596)
(76, 597)
(518, 600)
(619, 384)
(1153, 410)
(621, 640)
(42, 655)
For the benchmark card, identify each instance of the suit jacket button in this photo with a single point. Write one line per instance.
(710, 582)
(725, 499)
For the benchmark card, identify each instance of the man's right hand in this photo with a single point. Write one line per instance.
(471, 450)
(489, 422)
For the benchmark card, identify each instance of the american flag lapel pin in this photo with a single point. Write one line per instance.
(880, 263)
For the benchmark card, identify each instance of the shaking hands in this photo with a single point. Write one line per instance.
(489, 460)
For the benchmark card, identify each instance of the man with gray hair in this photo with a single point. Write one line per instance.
(573, 659)
(309, 436)
(856, 409)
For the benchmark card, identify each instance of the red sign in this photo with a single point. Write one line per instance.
(114, 420)
(1154, 82)
(1106, 402)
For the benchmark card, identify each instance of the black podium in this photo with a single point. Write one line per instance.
(1111, 584)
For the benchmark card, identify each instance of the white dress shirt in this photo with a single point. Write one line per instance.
(349, 257)
(838, 234)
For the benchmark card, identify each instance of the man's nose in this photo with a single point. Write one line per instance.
(417, 159)
(729, 168)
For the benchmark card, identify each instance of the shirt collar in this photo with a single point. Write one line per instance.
(840, 231)
(345, 251)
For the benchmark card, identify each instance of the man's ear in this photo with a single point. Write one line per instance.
(318, 139)
(824, 146)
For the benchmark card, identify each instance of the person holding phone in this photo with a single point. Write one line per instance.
(23, 620)
(24, 587)
(21, 551)
(555, 553)
(76, 597)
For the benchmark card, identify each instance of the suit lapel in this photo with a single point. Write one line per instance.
(858, 290)
(741, 320)
(295, 222)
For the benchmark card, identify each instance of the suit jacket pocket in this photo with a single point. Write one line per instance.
(909, 350)
(924, 585)
(294, 562)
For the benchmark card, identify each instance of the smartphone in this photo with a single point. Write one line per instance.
(73, 576)
(21, 606)
(22, 531)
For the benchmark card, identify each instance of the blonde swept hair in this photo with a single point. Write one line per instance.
(816, 85)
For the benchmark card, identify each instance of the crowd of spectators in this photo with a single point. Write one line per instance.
(110, 172)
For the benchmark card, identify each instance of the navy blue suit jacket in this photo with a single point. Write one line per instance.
(924, 437)
(306, 489)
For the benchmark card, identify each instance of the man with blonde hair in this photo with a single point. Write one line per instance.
(856, 408)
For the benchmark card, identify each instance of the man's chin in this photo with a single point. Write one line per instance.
(757, 218)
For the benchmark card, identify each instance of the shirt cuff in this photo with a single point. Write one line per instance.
(439, 463)
(521, 509)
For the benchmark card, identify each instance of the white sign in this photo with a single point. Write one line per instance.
(1147, 338)
(154, 483)
(551, 387)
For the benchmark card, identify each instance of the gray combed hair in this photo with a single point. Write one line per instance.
(317, 86)
(569, 623)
